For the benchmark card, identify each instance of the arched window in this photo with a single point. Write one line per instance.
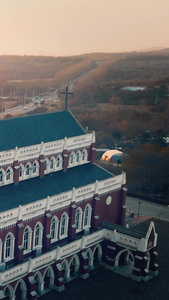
(78, 157)
(63, 225)
(8, 292)
(9, 246)
(27, 237)
(28, 169)
(59, 162)
(0, 250)
(54, 229)
(46, 165)
(9, 173)
(21, 168)
(78, 219)
(38, 235)
(87, 216)
(1, 176)
(35, 168)
(72, 158)
(20, 290)
(84, 155)
(51, 163)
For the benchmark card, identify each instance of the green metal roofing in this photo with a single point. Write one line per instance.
(32, 130)
(31, 190)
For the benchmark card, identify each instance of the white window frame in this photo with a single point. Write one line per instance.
(55, 222)
(53, 162)
(46, 163)
(84, 156)
(78, 221)
(29, 240)
(9, 175)
(35, 167)
(63, 231)
(87, 217)
(22, 170)
(39, 244)
(2, 175)
(78, 157)
(0, 250)
(28, 167)
(11, 246)
(59, 162)
(72, 158)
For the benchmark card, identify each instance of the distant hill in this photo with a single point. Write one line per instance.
(157, 48)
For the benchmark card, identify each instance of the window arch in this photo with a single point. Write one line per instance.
(46, 165)
(48, 278)
(35, 168)
(52, 163)
(59, 161)
(21, 171)
(54, 229)
(8, 292)
(9, 174)
(20, 290)
(78, 157)
(38, 235)
(27, 238)
(2, 173)
(78, 219)
(72, 158)
(0, 250)
(63, 225)
(9, 246)
(74, 265)
(84, 155)
(66, 268)
(28, 169)
(87, 216)
(38, 282)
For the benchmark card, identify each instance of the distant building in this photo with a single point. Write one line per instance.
(114, 156)
(61, 215)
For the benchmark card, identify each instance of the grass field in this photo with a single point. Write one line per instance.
(106, 285)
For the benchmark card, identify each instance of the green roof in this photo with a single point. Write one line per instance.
(31, 190)
(32, 130)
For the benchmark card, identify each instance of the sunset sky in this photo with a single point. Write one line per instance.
(70, 27)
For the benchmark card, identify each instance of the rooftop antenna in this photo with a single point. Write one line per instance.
(66, 97)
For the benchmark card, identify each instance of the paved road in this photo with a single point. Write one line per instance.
(24, 109)
(146, 208)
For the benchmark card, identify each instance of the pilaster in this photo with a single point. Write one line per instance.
(84, 264)
(19, 238)
(41, 161)
(16, 167)
(58, 282)
(122, 211)
(48, 217)
(72, 227)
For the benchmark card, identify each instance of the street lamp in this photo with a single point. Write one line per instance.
(139, 203)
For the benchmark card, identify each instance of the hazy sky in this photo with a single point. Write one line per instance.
(70, 27)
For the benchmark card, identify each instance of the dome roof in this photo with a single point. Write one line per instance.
(115, 154)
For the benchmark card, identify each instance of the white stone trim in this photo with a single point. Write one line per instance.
(59, 201)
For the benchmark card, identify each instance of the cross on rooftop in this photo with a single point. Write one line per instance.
(66, 98)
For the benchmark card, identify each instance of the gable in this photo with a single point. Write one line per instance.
(151, 235)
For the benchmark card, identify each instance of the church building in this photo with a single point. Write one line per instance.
(61, 215)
